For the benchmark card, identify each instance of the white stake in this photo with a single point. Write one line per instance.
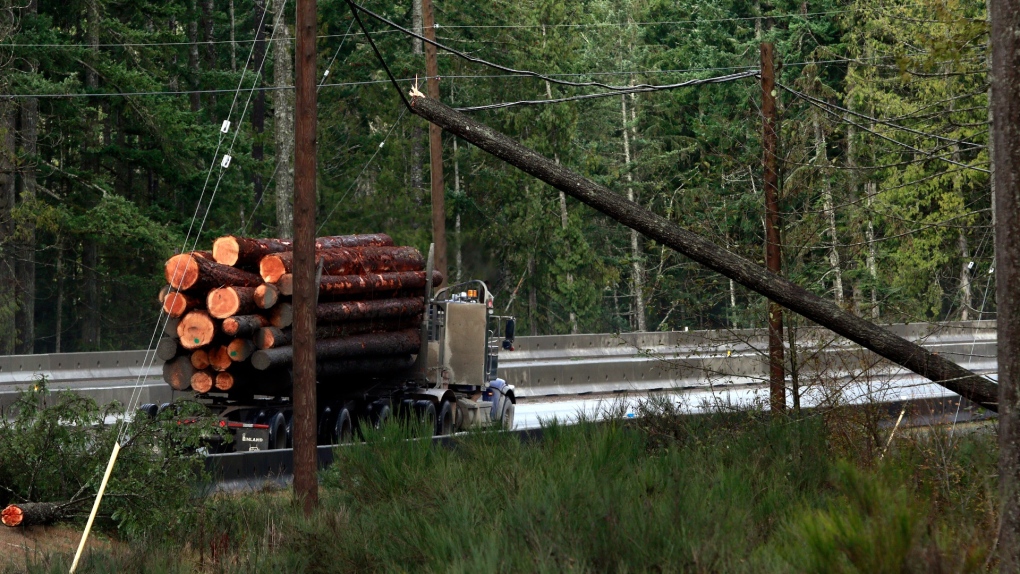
(95, 506)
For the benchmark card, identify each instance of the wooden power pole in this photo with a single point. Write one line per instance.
(773, 245)
(1005, 18)
(306, 485)
(435, 142)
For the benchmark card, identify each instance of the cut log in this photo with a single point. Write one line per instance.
(229, 301)
(219, 358)
(348, 261)
(755, 277)
(244, 325)
(362, 310)
(177, 373)
(186, 271)
(176, 304)
(31, 513)
(344, 285)
(200, 359)
(233, 250)
(282, 315)
(374, 344)
(166, 348)
(266, 295)
(170, 327)
(196, 329)
(270, 337)
(202, 381)
(240, 349)
(224, 381)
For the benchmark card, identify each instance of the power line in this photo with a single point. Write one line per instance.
(656, 23)
(165, 44)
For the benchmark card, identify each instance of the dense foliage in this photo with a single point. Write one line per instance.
(885, 186)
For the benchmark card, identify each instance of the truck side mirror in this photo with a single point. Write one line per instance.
(508, 342)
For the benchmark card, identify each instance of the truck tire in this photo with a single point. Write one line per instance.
(149, 409)
(277, 431)
(506, 414)
(380, 414)
(444, 420)
(425, 413)
(343, 429)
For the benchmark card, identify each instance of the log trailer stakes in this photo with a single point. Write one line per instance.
(385, 346)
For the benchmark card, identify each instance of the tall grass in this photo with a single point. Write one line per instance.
(738, 492)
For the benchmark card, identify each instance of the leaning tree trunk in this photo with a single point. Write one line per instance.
(8, 300)
(283, 125)
(777, 288)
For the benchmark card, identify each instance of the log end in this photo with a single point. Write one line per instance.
(196, 329)
(223, 302)
(286, 284)
(224, 381)
(261, 360)
(266, 295)
(219, 358)
(272, 268)
(175, 304)
(240, 349)
(200, 359)
(181, 271)
(225, 250)
(12, 516)
(202, 381)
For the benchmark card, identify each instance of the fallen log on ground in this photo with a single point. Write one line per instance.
(347, 261)
(755, 277)
(32, 513)
(395, 343)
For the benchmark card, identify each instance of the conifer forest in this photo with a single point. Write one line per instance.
(117, 119)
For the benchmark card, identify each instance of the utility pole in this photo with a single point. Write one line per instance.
(435, 143)
(773, 254)
(1005, 109)
(306, 484)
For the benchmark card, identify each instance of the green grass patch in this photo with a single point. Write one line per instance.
(738, 492)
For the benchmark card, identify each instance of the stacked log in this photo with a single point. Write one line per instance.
(229, 312)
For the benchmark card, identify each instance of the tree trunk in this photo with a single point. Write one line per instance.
(8, 297)
(258, 114)
(59, 310)
(870, 189)
(1005, 41)
(26, 265)
(777, 288)
(92, 319)
(417, 134)
(966, 299)
(822, 162)
(532, 298)
(194, 73)
(637, 257)
(458, 255)
(233, 43)
(283, 125)
(208, 11)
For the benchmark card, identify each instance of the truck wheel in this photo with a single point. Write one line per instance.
(343, 430)
(506, 414)
(277, 431)
(426, 413)
(444, 420)
(149, 409)
(380, 414)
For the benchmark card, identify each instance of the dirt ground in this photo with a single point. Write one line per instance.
(38, 544)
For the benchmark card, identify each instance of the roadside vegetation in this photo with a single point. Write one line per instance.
(668, 492)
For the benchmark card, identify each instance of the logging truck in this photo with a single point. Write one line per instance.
(442, 370)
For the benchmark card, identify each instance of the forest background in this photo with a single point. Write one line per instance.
(112, 139)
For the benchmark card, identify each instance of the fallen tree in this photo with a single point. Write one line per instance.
(755, 277)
